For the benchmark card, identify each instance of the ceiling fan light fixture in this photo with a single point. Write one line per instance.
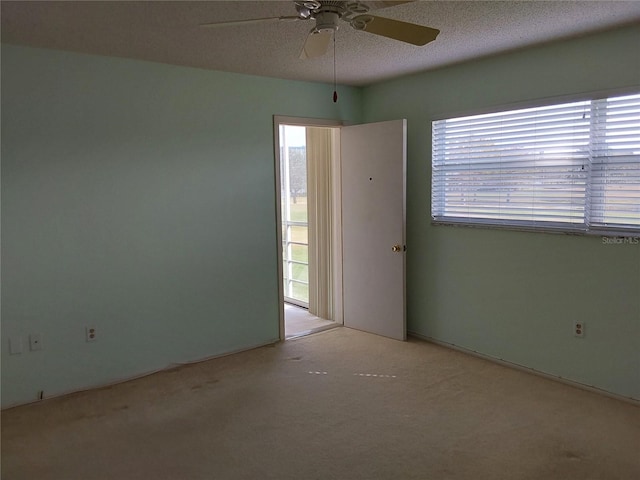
(317, 44)
(327, 21)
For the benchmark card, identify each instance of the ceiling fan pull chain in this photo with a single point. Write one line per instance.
(335, 83)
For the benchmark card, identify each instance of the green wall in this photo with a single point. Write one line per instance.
(507, 294)
(137, 198)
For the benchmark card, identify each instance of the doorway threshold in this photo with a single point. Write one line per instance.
(299, 322)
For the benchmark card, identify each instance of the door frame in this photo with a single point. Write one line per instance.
(337, 209)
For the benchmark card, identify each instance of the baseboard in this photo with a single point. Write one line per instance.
(141, 375)
(523, 368)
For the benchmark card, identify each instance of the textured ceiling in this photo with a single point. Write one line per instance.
(169, 32)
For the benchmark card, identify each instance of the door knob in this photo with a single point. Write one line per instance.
(398, 248)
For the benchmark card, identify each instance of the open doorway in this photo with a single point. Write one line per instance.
(295, 215)
(309, 217)
(355, 204)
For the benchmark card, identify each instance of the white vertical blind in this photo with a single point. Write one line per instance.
(320, 207)
(533, 167)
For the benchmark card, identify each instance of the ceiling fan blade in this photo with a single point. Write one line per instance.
(316, 45)
(250, 21)
(403, 31)
(378, 4)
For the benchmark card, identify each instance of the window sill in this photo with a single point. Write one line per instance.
(630, 237)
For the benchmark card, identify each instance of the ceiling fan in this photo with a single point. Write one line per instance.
(328, 14)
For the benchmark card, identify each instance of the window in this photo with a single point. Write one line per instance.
(568, 167)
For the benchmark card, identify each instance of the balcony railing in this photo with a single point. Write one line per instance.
(296, 262)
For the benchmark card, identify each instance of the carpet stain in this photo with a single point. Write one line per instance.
(89, 416)
(297, 359)
(196, 387)
(571, 455)
(121, 407)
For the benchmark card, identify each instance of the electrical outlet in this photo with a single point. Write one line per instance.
(91, 334)
(578, 329)
(35, 342)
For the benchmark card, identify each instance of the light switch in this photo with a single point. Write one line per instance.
(15, 345)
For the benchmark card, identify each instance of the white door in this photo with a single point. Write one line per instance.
(373, 227)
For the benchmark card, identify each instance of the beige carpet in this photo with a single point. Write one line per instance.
(336, 405)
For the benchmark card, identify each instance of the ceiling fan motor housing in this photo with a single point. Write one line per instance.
(327, 13)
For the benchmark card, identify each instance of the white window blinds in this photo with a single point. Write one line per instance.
(554, 167)
(615, 168)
